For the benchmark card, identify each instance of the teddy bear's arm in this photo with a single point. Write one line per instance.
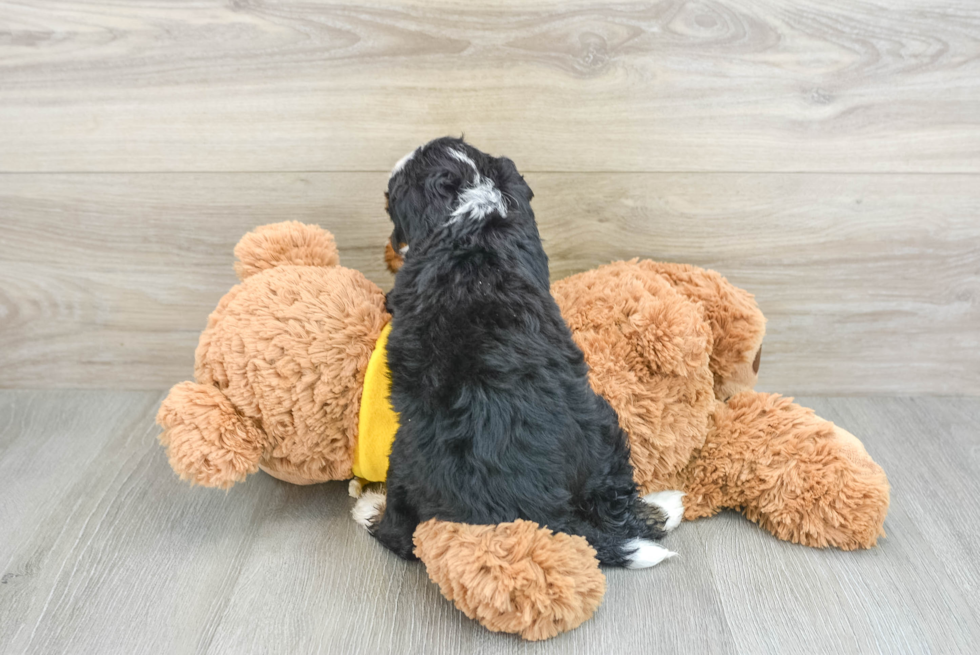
(795, 474)
(208, 441)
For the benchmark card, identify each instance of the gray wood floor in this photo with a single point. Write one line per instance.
(103, 550)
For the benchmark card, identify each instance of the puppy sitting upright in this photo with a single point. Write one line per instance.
(497, 420)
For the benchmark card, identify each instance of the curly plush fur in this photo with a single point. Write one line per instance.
(737, 325)
(802, 478)
(513, 577)
(673, 348)
(648, 356)
(279, 368)
(497, 420)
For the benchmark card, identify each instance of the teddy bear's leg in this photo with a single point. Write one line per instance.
(208, 441)
(799, 476)
(737, 324)
(513, 577)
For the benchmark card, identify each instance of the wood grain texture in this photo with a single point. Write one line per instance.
(718, 85)
(103, 550)
(871, 282)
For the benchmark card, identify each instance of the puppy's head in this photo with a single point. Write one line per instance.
(449, 181)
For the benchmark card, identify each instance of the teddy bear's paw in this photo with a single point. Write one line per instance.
(368, 509)
(513, 577)
(671, 502)
(208, 440)
(646, 553)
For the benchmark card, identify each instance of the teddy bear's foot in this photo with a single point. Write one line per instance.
(672, 504)
(513, 577)
(800, 477)
(208, 441)
(855, 518)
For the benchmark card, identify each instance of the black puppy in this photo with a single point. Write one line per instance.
(497, 418)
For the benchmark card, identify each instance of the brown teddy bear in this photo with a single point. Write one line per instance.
(291, 379)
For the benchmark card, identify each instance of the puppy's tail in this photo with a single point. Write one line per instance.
(290, 243)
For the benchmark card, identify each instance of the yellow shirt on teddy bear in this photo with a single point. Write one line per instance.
(377, 421)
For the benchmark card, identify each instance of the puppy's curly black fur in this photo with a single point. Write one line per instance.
(497, 418)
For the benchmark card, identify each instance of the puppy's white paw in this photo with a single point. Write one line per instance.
(646, 554)
(369, 508)
(671, 502)
(355, 487)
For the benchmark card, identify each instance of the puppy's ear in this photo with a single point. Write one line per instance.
(443, 185)
(512, 181)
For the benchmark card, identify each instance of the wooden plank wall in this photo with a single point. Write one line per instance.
(825, 156)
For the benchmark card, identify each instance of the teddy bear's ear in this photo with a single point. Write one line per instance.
(284, 244)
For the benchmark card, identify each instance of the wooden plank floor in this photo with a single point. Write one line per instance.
(103, 550)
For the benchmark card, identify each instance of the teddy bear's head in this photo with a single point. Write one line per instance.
(280, 367)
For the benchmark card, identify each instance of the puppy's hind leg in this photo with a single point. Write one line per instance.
(615, 549)
(626, 531)
(671, 502)
(643, 552)
(389, 520)
(625, 526)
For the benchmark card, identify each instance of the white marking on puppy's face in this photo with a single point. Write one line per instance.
(646, 554)
(403, 250)
(671, 502)
(463, 157)
(478, 199)
(400, 164)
